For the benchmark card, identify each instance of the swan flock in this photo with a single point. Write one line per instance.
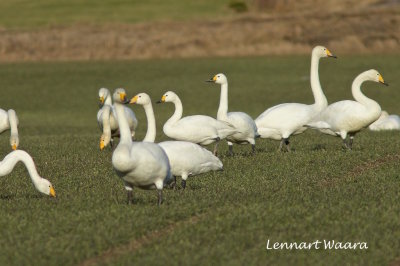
(147, 164)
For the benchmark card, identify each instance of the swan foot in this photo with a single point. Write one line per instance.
(160, 200)
(230, 152)
(346, 145)
(173, 184)
(183, 184)
(285, 142)
(129, 197)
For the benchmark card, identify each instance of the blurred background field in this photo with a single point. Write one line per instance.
(55, 55)
(110, 29)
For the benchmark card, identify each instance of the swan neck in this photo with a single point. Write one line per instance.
(9, 162)
(223, 103)
(124, 130)
(151, 123)
(12, 118)
(106, 120)
(319, 96)
(178, 111)
(108, 100)
(359, 96)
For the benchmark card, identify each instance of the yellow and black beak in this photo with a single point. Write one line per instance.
(14, 147)
(382, 81)
(101, 99)
(213, 79)
(162, 99)
(122, 97)
(329, 54)
(52, 192)
(102, 144)
(133, 100)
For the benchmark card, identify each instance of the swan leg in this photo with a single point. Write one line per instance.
(129, 197)
(281, 145)
(351, 142)
(160, 200)
(183, 183)
(216, 146)
(287, 143)
(253, 148)
(230, 146)
(173, 184)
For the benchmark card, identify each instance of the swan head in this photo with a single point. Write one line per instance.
(14, 141)
(219, 79)
(44, 186)
(169, 96)
(104, 140)
(373, 75)
(119, 96)
(141, 99)
(103, 94)
(322, 51)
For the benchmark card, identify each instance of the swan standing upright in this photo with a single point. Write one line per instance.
(138, 164)
(106, 118)
(199, 129)
(186, 158)
(349, 117)
(386, 122)
(9, 120)
(284, 120)
(9, 162)
(244, 124)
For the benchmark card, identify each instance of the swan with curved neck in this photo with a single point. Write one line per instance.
(199, 129)
(138, 164)
(186, 158)
(244, 124)
(9, 120)
(9, 162)
(349, 117)
(284, 120)
(386, 122)
(106, 118)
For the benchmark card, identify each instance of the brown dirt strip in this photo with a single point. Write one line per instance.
(136, 244)
(354, 31)
(361, 169)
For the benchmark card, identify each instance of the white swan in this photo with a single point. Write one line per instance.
(386, 122)
(9, 162)
(106, 118)
(186, 158)
(349, 117)
(199, 129)
(138, 164)
(281, 121)
(9, 120)
(244, 124)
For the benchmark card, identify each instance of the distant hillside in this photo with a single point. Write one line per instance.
(269, 27)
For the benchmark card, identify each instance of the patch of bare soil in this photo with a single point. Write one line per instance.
(370, 29)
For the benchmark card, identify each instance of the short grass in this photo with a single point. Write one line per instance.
(32, 14)
(316, 192)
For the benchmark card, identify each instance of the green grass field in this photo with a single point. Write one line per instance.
(33, 14)
(317, 192)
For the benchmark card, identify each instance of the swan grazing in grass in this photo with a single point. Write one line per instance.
(284, 120)
(186, 158)
(138, 164)
(9, 120)
(349, 117)
(244, 124)
(386, 122)
(199, 129)
(9, 162)
(107, 120)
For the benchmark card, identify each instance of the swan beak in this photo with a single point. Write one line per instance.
(382, 81)
(133, 100)
(213, 79)
(14, 147)
(101, 100)
(329, 54)
(102, 145)
(162, 99)
(52, 192)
